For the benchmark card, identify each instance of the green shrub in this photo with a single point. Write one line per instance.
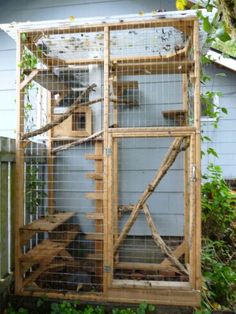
(218, 250)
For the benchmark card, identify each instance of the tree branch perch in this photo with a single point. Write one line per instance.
(77, 142)
(63, 117)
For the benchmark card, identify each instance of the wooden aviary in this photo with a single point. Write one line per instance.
(113, 212)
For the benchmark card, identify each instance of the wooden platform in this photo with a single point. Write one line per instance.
(49, 223)
(45, 224)
(94, 157)
(95, 195)
(179, 116)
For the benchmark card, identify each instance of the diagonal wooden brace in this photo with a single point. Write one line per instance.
(174, 150)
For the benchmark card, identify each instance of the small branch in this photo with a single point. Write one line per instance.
(63, 117)
(160, 243)
(77, 142)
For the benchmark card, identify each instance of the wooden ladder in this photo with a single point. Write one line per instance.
(97, 196)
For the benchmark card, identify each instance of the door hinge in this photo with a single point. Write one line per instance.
(108, 151)
(107, 269)
(193, 173)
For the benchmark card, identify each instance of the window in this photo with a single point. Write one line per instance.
(79, 124)
(79, 121)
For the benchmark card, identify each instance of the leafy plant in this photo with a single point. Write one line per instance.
(218, 204)
(143, 308)
(66, 307)
(218, 252)
(34, 188)
(28, 60)
(21, 310)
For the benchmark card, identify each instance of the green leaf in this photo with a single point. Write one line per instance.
(222, 34)
(206, 25)
(211, 151)
(224, 110)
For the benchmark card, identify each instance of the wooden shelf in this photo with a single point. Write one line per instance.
(42, 252)
(94, 157)
(174, 67)
(95, 195)
(95, 176)
(48, 223)
(177, 114)
(98, 216)
(94, 236)
(95, 257)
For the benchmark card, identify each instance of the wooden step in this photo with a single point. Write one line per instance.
(178, 114)
(94, 176)
(43, 253)
(48, 223)
(97, 216)
(95, 257)
(45, 224)
(95, 195)
(94, 157)
(94, 236)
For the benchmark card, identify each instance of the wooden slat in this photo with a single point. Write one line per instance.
(43, 252)
(94, 157)
(144, 266)
(94, 195)
(95, 257)
(175, 114)
(4, 224)
(95, 176)
(184, 23)
(95, 216)
(196, 260)
(48, 223)
(153, 68)
(153, 296)
(94, 236)
(19, 173)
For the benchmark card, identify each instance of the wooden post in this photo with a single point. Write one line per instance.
(197, 121)
(186, 166)
(19, 183)
(108, 252)
(51, 200)
(115, 162)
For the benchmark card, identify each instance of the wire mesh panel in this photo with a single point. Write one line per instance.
(149, 66)
(63, 224)
(151, 182)
(98, 206)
